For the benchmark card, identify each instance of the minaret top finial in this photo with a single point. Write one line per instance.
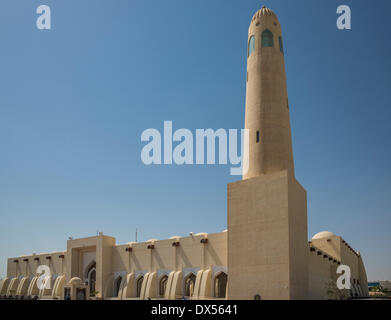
(264, 11)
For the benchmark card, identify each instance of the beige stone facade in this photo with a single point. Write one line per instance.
(265, 253)
(194, 266)
(267, 240)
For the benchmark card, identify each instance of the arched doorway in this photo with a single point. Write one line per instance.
(139, 284)
(91, 278)
(221, 285)
(189, 284)
(117, 286)
(163, 285)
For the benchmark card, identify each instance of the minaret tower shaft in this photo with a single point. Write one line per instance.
(267, 108)
(267, 209)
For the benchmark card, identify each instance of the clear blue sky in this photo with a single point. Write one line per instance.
(74, 101)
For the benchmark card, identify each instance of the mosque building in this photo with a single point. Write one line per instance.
(264, 254)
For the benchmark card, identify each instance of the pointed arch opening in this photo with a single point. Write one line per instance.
(117, 286)
(92, 282)
(220, 285)
(163, 285)
(189, 284)
(90, 276)
(139, 284)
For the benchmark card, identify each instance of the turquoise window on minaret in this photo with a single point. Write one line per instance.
(281, 47)
(267, 39)
(251, 45)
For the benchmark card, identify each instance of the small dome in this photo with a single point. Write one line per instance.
(75, 280)
(323, 234)
(264, 12)
(201, 234)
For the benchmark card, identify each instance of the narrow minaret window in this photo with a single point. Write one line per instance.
(281, 46)
(257, 136)
(267, 39)
(251, 45)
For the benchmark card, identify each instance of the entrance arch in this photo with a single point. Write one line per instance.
(163, 285)
(139, 284)
(189, 284)
(90, 275)
(117, 286)
(220, 285)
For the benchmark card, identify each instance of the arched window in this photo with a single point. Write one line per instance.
(267, 39)
(251, 45)
(117, 286)
(163, 285)
(221, 285)
(189, 284)
(280, 42)
(139, 283)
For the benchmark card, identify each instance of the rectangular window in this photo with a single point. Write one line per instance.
(257, 136)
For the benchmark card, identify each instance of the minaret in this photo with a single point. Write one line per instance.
(267, 107)
(267, 210)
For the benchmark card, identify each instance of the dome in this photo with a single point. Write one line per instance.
(75, 280)
(201, 234)
(264, 12)
(323, 234)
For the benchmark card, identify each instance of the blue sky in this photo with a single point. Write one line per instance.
(75, 100)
